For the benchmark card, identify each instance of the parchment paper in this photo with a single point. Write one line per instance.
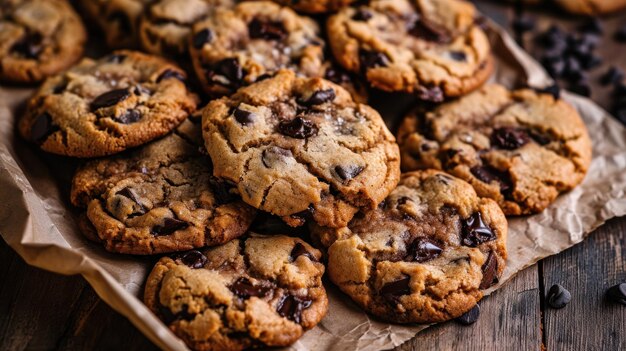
(37, 220)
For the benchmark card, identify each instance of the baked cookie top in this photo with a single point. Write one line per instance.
(160, 198)
(315, 6)
(521, 148)
(301, 148)
(166, 24)
(425, 254)
(38, 38)
(237, 46)
(257, 291)
(105, 106)
(431, 48)
(118, 20)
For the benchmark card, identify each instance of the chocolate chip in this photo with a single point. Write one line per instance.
(231, 69)
(489, 174)
(129, 193)
(300, 250)
(298, 128)
(553, 90)
(617, 293)
(171, 73)
(29, 46)
(275, 155)
(613, 76)
(423, 250)
(170, 225)
(475, 231)
(130, 116)
(169, 317)
(346, 173)
(581, 88)
(509, 138)
(558, 296)
(245, 289)
(123, 21)
(109, 98)
(555, 65)
(41, 128)
(193, 259)
(540, 139)
(115, 58)
(469, 317)
(221, 191)
(490, 271)
(202, 37)
(523, 24)
(427, 31)
(573, 70)
(244, 117)
(620, 34)
(393, 290)
(430, 94)
(458, 56)
(362, 14)
(319, 97)
(291, 307)
(266, 30)
(592, 26)
(371, 59)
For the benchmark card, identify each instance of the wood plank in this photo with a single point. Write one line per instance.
(589, 321)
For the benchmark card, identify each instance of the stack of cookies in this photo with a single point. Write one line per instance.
(286, 172)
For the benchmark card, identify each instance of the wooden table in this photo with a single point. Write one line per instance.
(43, 311)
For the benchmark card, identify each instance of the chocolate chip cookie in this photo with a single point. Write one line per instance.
(431, 48)
(160, 198)
(259, 291)
(118, 20)
(316, 6)
(105, 106)
(301, 148)
(38, 38)
(425, 254)
(521, 148)
(236, 47)
(166, 24)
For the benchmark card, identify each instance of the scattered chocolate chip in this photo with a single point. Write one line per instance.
(259, 29)
(620, 34)
(221, 191)
(523, 24)
(41, 128)
(475, 231)
(346, 173)
(469, 317)
(613, 76)
(171, 73)
(490, 271)
(489, 174)
(362, 14)
(371, 59)
(170, 225)
(202, 37)
(244, 117)
(558, 296)
(245, 289)
(298, 128)
(581, 88)
(553, 90)
(540, 139)
(193, 259)
(458, 56)
(393, 290)
(427, 31)
(573, 70)
(116, 58)
(300, 250)
(555, 65)
(592, 26)
(130, 116)
(617, 293)
(319, 97)
(509, 138)
(109, 98)
(29, 46)
(275, 155)
(422, 250)
(291, 307)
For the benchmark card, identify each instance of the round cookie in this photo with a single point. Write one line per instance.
(431, 48)
(160, 198)
(258, 291)
(425, 255)
(166, 24)
(301, 148)
(102, 107)
(521, 148)
(236, 47)
(38, 38)
(316, 6)
(118, 20)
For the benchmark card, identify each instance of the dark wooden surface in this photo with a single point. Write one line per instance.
(43, 311)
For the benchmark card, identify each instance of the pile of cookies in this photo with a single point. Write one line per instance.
(286, 173)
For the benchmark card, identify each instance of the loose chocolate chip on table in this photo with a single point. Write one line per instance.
(29, 46)
(475, 231)
(170, 73)
(298, 128)
(371, 59)
(509, 138)
(300, 250)
(391, 291)
(291, 307)
(41, 128)
(110, 98)
(130, 116)
(244, 117)
(170, 225)
(259, 29)
(592, 26)
(490, 271)
(193, 259)
(245, 289)
(617, 293)
(470, 317)
(423, 250)
(581, 88)
(362, 14)
(488, 174)
(348, 172)
(319, 97)
(458, 56)
(202, 37)
(613, 76)
(558, 296)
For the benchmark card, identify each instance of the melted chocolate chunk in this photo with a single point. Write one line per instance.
(469, 317)
(298, 128)
(193, 259)
(362, 14)
(509, 138)
(170, 225)
(346, 173)
(169, 317)
(458, 56)
(475, 231)
(229, 68)
(291, 307)
(267, 30)
(244, 117)
(221, 191)
(202, 37)
(245, 289)
(171, 73)
(42, 128)
(129, 193)
(489, 174)
(371, 59)
(429, 32)
(275, 155)
(393, 290)
(319, 97)
(423, 250)
(300, 250)
(29, 46)
(109, 98)
(130, 116)
(490, 271)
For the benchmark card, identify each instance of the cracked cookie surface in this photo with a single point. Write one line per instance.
(38, 38)
(257, 291)
(423, 256)
(236, 47)
(431, 48)
(118, 20)
(520, 148)
(160, 198)
(102, 107)
(301, 148)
